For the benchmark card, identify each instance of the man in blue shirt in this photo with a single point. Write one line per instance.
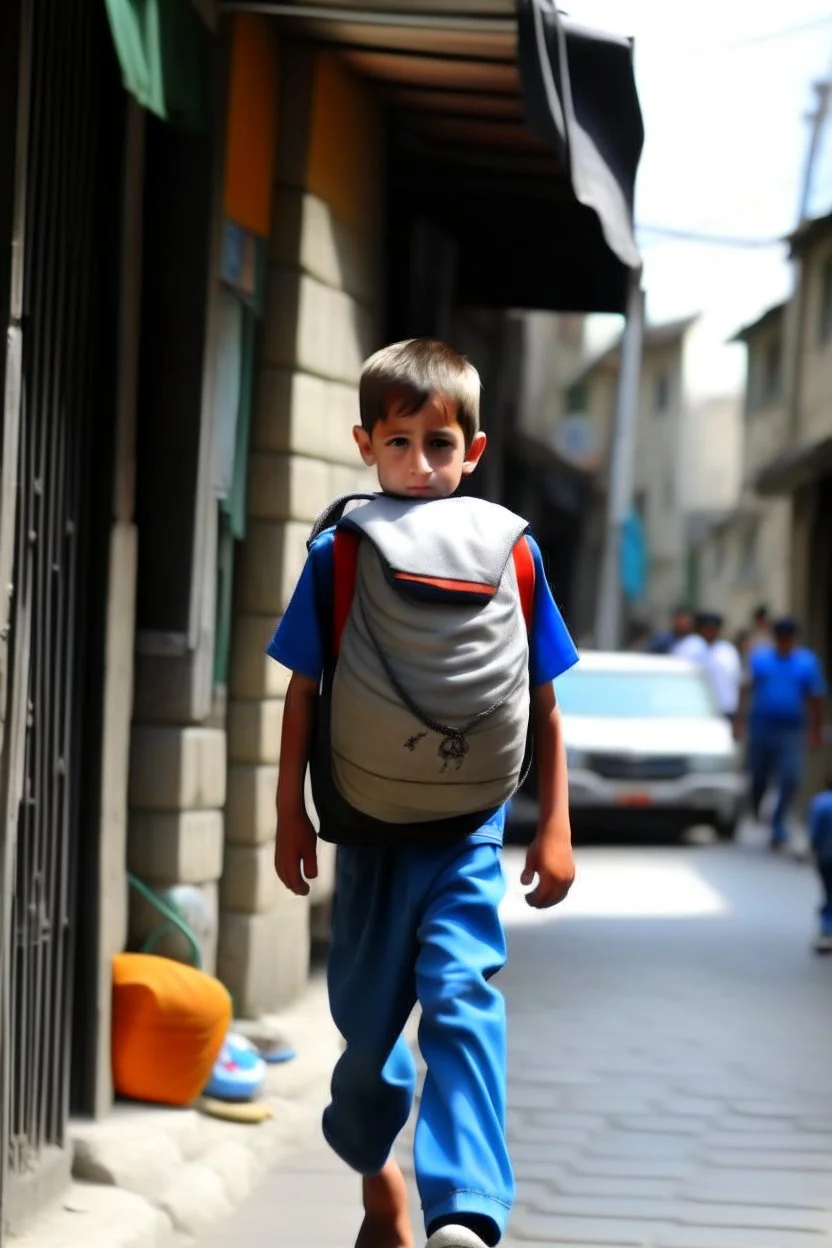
(784, 700)
(820, 831)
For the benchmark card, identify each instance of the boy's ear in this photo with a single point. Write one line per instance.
(474, 453)
(364, 444)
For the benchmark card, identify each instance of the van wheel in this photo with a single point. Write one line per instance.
(726, 829)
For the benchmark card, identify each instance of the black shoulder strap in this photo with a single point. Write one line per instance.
(333, 513)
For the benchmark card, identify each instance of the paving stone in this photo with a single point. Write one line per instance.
(764, 1141)
(673, 1108)
(551, 1229)
(640, 1144)
(633, 1167)
(769, 1160)
(659, 1124)
(736, 1237)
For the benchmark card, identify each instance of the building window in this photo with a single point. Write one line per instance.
(825, 316)
(661, 394)
(749, 557)
(771, 378)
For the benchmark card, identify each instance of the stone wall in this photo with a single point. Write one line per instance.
(321, 322)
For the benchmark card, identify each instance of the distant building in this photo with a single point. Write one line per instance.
(799, 467)
(687, 455)
(741, 557)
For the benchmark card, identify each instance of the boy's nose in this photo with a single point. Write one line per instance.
(420, 462)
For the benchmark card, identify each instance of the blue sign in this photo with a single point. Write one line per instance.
(634, 558)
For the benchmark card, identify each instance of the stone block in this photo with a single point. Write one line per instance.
(181, 847)
(237, 1168)
(253, 674)
(171, 688)
(199, 906)
(176, 768)
(281, 317)
(306, 231)
(315, 328)
(287, 487)
(250, 811)
(254, 730)
(298, 413)
(140, 1161)
(340, 415)
(195, 1201)
(264, 958)
(288, 412)
(271, 560)
(249, 882)
(334, 332)
(356, 480)
(110, 1218)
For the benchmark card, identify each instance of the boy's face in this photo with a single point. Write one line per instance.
(421, 454)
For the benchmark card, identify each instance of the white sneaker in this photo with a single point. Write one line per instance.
(455, 1237)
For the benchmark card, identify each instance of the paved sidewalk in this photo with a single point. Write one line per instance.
(670, 1066)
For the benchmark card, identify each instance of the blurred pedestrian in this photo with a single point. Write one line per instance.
(781, 700)
(638, 636)
(820, 833)
(760, 633)
(681, 625)
(719, 659)
(742, 639)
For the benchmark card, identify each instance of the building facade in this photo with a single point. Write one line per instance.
(686, 459)
(742, 557)
(202, 236)
(799, 472)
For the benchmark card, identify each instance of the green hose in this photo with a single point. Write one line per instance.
(174, 921)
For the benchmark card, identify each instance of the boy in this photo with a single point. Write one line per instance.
(415, 914)
(820, 834)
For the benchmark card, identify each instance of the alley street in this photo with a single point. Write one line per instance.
(669, 1065)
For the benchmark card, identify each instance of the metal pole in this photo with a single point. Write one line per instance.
(622, 463)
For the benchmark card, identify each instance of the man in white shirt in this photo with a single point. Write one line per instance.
(718, 658)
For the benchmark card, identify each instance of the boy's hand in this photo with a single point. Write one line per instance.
(550, 859)
(296, 847)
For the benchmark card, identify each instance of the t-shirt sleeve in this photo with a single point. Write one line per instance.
(551, 649)
(298, 642)
(815, 682)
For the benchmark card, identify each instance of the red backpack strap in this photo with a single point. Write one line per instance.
(524, 568)
(345, 561)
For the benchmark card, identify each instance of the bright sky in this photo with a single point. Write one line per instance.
(726, 138)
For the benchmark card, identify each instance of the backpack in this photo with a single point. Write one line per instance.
(422, 724)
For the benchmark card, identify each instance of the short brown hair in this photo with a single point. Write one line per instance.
(421, 367)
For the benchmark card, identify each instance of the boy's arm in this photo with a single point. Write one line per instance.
(296, 842)
(550, 855)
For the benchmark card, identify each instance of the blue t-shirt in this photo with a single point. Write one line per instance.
(781, 683)
(299, 641)
(820, 824)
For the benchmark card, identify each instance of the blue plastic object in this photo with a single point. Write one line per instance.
(238, 1073)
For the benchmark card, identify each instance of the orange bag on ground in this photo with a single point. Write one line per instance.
(169, 1023)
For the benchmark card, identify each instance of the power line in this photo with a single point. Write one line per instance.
(716, 240)
(749, 41)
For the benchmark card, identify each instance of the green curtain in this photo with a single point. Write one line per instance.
(164, 48)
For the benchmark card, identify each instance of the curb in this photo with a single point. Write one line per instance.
(153, 1177)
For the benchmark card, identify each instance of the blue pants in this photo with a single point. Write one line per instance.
(422, 925)
(775, 750)
(822, 849)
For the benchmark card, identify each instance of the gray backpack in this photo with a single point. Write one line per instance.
(425, 698)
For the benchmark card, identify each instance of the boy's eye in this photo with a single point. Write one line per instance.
(442, 442)
(397, 442)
